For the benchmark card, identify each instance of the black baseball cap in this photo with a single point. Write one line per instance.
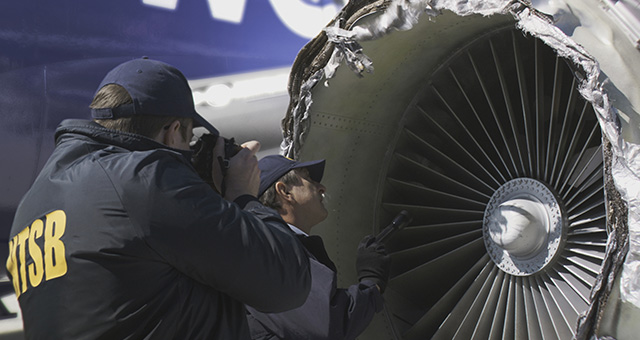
(275, 166)
(157, 89)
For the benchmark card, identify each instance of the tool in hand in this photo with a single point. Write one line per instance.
(399, 222)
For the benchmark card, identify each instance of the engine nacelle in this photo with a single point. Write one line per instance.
(461, 113)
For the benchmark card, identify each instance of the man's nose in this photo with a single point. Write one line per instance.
(321, 188)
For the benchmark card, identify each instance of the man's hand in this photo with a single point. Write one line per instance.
(243, 175)
(373, 263)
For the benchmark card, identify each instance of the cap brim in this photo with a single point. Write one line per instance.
(198, 121)
(315, 168)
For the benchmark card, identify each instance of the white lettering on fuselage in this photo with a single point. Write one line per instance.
(304, 19)
(298, 16)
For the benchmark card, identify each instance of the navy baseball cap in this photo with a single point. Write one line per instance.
(275, 166)
(157, 89)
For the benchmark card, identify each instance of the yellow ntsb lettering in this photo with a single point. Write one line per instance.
(36, 270)
(46, 252)
(54, 260)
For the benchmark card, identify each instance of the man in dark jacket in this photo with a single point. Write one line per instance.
(294, 190)
(118, 238)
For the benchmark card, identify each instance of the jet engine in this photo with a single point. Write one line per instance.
(508, 130)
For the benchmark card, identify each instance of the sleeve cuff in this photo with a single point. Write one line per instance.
(377, 295)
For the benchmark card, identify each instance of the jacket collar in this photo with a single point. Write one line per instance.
(95, 131)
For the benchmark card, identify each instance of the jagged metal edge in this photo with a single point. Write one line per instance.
(623, 157)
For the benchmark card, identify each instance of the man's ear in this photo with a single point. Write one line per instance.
(283, 191)
(172, 133)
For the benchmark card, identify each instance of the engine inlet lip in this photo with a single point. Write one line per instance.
(524, 227)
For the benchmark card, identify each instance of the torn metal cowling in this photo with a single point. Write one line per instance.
(338, 43)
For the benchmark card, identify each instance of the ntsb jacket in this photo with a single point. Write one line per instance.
(329, 313)
(118, 238)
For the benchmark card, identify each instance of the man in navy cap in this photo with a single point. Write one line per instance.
(119, 238)
(294, 190)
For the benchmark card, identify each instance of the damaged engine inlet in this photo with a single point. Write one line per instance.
(501, 158)
(487, 126)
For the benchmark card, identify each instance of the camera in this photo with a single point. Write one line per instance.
(202, 158)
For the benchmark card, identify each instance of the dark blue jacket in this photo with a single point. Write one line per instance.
(330, 313)
(118, 238)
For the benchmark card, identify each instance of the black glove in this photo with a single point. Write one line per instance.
(373, 262)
